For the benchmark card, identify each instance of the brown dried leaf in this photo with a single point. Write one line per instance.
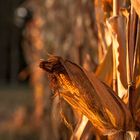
(117, 29)
(136, 5)
(85, 93)
(104, 71)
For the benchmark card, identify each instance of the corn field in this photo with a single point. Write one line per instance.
(89, 75)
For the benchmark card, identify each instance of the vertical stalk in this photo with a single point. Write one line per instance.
(115, 7)
(131, 35)
(137, 44)
(114, 69)
(79, 128)
(115, 12)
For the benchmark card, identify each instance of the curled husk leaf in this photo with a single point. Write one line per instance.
(85, 93)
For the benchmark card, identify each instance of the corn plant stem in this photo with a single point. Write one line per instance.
(137, 47)
(131, 46)
(79, 128)
(131, 28)
(115, 12)
(114, 70)
(129, 74)
(115, 7)
(137, 44)
(134, 68)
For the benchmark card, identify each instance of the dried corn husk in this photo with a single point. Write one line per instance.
(85, 93)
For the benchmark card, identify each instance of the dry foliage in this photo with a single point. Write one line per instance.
(85, 93)
(115, 114)
(110, 98)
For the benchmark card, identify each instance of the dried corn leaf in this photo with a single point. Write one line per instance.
(132, 47)
(104, 71)
(137, 105)
(137, 98)
(85, 93)
(117, 27)
(136, 5)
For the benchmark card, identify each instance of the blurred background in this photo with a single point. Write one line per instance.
(29, 30)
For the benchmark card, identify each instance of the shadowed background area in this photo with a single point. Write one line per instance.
(11, 55)
(28, 31)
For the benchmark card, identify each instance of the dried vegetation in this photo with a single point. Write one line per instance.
(110, 98)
